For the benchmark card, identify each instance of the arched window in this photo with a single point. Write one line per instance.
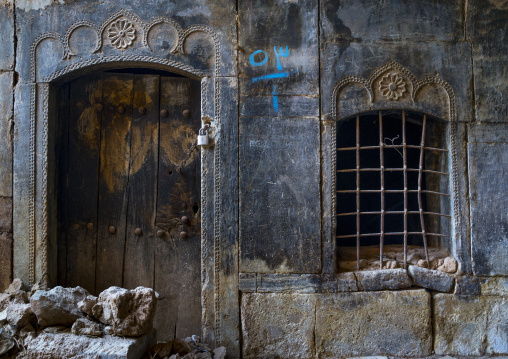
(392, 189)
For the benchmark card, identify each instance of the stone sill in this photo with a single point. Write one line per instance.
(386, 279)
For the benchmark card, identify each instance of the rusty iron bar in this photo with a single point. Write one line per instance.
(404, 159)
(420, 205)
(382, 176)
(392, 146)
(358, 192)
(392, 191)
(391, 170)
(395, 212)
(391, 234)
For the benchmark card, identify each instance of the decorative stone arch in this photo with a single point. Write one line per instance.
(106, 55)
(353, 95)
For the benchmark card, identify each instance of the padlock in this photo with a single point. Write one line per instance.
(203, 139)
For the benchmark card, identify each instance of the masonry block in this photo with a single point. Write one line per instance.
(374, 323)
(278, 325)
(279, 195)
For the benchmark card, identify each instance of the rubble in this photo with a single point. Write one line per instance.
(189, 348)
(87, 304)
(87, 327)
(39, 326)
(19, 315)
(58, 306)
(128, 312)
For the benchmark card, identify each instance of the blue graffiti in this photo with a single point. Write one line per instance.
(260, 63)
(280, 54)
(276, 75)
(275, 100)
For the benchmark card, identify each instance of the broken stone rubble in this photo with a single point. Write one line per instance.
(190, 348)
(128, 312)
(53, 312)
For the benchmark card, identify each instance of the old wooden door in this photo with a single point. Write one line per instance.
(126, 215)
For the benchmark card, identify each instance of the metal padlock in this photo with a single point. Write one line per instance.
(203, 139)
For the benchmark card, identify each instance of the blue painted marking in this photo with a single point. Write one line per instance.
(254, 62)
(276, 75)
(275, 100)
(280, 53)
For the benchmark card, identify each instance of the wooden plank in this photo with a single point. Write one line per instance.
(177, 260)
(113, 179)
(139, 251)
(83, 165)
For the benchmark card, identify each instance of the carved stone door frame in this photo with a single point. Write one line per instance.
(122, 40)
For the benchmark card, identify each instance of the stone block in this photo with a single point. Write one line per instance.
(279, 195)
(373, 323)
(489, 58)
(383, 279)
(497, 326)
(460, 324)
(219, 16)
(278, 324)
(7, 38)
(346, 282)
(280, 106)
(279, 47)
(6, 127)
(489, 224)
(247, 282)
(467, 285)
(62, 346)
(450, 60)
(354, 20)
(487, 133)
(431, 279)
(495, 286)
(6, 214)
(297, 283)
(5, 260)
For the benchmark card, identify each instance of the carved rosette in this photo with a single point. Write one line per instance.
(392, 86)
(121, 33)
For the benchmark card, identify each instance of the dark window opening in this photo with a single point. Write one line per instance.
(392, 183)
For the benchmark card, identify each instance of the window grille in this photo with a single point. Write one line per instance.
(392, 181)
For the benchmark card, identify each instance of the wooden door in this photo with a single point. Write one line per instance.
(127, 215)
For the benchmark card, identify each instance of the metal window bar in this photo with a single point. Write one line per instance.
(382, 177)
(392, 146)
(382, 213)
(358, 192)
(404, 159)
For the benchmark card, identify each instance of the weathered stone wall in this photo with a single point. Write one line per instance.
(273, 290)
(7, 76)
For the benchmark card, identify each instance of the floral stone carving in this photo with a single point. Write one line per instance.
(392, 86)
(121, 34)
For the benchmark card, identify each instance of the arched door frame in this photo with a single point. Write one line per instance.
(38, 263)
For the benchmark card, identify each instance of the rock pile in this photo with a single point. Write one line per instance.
(188, 348)
(116, 311)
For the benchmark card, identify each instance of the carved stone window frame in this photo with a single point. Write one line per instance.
(39, 241)
(429, 94)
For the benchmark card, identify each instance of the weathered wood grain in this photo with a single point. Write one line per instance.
(82, 181)
(144, 150)
(177, 260)
(113, 179)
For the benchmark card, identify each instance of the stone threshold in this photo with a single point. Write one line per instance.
(385, 279)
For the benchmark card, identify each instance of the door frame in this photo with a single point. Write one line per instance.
(35, 244)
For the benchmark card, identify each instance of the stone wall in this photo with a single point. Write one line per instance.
(270, 283)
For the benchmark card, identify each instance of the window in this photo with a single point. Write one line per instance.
(393, 189)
